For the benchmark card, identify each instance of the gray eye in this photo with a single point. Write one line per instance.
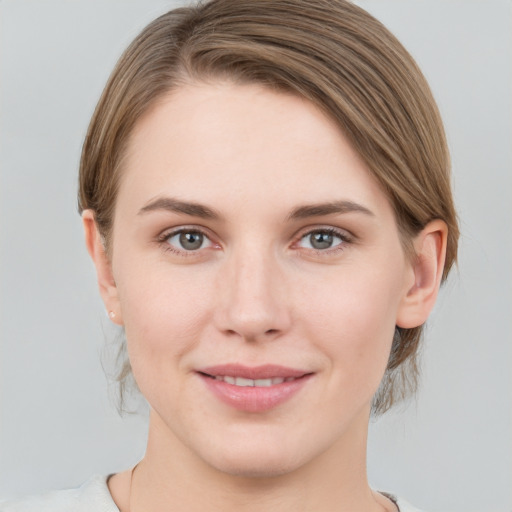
(320, 240)
(191, 241)
(188, 240)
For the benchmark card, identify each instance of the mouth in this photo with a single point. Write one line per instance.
(254, 389)
(257, 383)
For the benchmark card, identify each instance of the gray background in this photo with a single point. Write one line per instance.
(449, 450)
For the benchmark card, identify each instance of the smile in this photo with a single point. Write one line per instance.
(259, 383)
(254, 389)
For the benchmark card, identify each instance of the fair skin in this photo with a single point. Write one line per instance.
(218, 258)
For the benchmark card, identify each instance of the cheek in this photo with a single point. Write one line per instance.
(353, 325)
(163, 316)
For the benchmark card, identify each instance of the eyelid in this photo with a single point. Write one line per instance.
(170, 232)
(346, 236)
(328, 228)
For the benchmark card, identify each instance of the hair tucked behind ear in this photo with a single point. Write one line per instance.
(401, 377)
(329, 51)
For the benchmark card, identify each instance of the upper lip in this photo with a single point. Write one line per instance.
(266, 371)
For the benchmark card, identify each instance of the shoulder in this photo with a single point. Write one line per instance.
(93, 496)
(400, 503)
(403, 506)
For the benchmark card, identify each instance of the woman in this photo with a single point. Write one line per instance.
(266, 197)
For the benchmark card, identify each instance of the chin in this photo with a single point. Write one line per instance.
(257, 460)
(263, 469)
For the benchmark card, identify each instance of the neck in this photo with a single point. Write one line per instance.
(172, 477)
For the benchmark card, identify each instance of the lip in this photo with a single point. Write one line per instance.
(254, 399)
(266, 371)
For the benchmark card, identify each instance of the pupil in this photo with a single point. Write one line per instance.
(321, 240)
(191, 241)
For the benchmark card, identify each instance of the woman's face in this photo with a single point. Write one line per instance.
(259, 276)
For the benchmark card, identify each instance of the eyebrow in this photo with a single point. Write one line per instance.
(175, 205)
(301, 212)
(330, 208)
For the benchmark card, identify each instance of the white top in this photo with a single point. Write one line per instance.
(94, 496)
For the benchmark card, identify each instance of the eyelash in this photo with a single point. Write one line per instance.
(342, 235)
(163, 240)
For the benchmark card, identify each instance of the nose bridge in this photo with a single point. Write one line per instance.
(253, 290)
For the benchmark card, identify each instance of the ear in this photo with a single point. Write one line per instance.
(106, 283)
(425, 277)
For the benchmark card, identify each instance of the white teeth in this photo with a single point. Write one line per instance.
(259, 383)
(240, 381)
(263, 383)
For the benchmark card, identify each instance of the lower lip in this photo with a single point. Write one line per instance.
(252, 398)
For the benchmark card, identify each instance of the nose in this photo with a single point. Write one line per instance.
(252, 301)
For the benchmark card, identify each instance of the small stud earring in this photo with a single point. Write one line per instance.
(111, 314)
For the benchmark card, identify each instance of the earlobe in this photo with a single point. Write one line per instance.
(97, 251)
(427, 268)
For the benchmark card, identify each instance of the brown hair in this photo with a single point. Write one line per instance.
(329, 51)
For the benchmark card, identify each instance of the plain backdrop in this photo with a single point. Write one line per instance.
(450, 450)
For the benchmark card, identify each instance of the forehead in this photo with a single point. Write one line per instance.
(245, 142)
